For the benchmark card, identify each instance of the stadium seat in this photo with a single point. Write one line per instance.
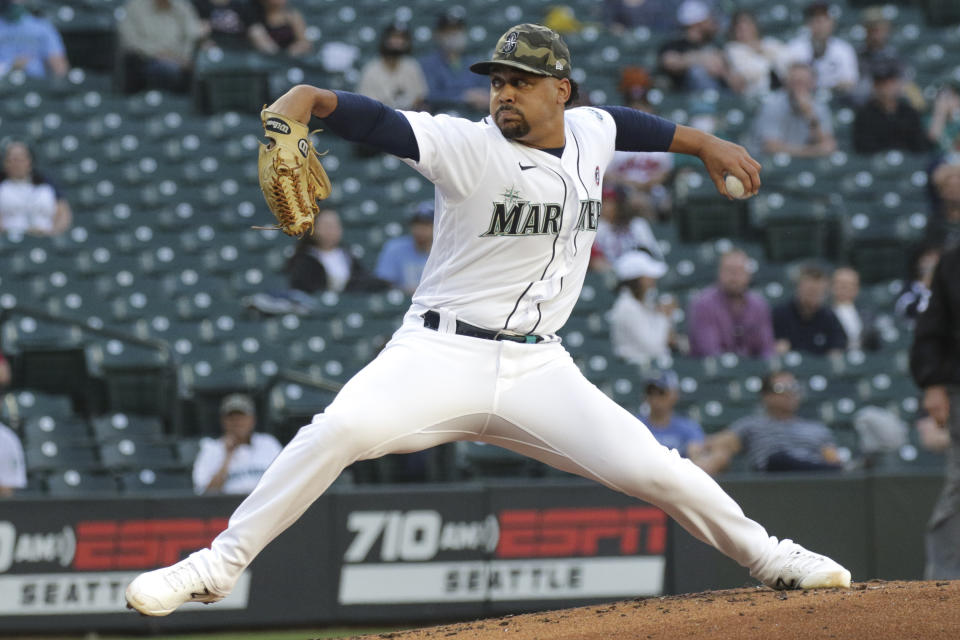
(63, 431)
(119, 426)
(702, 214)
(128, 453)
(76, 482)
(51, 455)
(26, 403)
(151, 481)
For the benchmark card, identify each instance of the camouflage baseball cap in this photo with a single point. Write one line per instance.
(529, 47)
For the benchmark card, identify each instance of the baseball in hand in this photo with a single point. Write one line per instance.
(734, 186)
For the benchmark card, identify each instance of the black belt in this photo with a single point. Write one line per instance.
(431, 320)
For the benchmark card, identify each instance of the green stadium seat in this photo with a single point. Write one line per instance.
(76, 483)
(50, 455)
(132, 454)
(145, 482)
(702, 213)
(22, 404)
(121, 426)
(62, 430)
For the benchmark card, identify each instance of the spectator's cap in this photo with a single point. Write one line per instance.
(691, 12)
(532, 48)
(886, 69)
(873, 15)
(423, 212)
(816, 8)
(663, 380)
(237, 403)
(452, 18)
(636, 264)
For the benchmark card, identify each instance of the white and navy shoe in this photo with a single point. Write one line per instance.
(796, 568)
(160, 592)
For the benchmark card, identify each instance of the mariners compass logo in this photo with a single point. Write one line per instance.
(510, 43)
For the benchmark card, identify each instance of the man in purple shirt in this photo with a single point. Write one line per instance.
(728, 317)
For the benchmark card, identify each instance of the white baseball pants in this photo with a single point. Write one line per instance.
(431, 387)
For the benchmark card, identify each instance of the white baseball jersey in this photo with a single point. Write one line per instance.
(513, 224)
(248, 463)
(13, 468)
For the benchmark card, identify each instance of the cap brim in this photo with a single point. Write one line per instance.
(484, 68)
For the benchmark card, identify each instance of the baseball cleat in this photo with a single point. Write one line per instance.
(802, 569)
(160, 592)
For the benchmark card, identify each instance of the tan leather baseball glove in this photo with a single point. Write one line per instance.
(291, 177)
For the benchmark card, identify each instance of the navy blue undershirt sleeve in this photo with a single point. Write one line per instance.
(640, 131)
(361, 119)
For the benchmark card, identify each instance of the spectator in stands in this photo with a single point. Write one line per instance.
(876, 53)
(562, 19)
(29, 203)
(319, 263)
(914, 300)
(935, 365)
(944, 127)
(671, 430)
(944, 224)
(834, 60)
(226, 23)
(805, 323)
(280, 29)
(754, 60)
(394, 77)
(793, 120)
(626, 15)
(641, 327)
(29, 42)
(13, 466)
(729, 318)
(620, 230)
(402, 259)
(776, 438)
(643, 175)
(451, 83)
(859, 325)
(887, 120)
(158, 39)
(4, 372)
(693, 62)
(234, 462)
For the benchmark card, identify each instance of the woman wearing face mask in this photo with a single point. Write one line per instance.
(394, 77)
(279, 29)
(452, 85)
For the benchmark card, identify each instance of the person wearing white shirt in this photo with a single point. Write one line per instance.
(234, 462)
(29, 204)
(859, 327)
(834, 60)
(640, 328)
(753, 59)
(13, 468)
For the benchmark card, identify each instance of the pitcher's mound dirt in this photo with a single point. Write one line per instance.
(875, 610)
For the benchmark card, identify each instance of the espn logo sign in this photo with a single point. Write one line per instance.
(572, 532)
(141, 544)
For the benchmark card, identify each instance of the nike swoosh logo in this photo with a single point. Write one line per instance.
(206, 592)
(523, 168)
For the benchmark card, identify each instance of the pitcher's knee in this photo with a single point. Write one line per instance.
(329, 433)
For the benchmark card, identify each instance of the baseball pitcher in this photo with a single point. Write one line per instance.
(477, 357)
